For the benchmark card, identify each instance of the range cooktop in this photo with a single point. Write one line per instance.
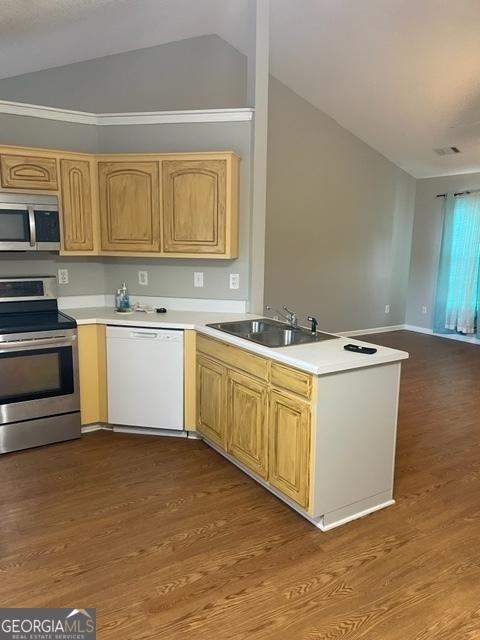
(29, 304)
(35, 321)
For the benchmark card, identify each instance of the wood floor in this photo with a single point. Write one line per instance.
(169, 541)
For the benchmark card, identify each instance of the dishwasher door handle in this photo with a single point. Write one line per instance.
(146, 335)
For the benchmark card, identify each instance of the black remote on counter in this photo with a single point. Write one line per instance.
(358, 349)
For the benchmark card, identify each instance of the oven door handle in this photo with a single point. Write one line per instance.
(39, 343)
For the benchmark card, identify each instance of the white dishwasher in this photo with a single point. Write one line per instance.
(145, 377)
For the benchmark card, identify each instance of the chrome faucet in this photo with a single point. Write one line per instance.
(290, 316)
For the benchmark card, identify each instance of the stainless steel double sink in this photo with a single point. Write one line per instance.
(270, 333)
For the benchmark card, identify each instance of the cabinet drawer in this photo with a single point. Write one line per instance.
(28, 172)
(292, 380)
(234, 357)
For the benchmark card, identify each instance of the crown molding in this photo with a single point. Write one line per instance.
(243, 114)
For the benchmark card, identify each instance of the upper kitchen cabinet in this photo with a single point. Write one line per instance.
(129, 193)
(158, 205)
(200, 205)
(78, 205)
(28, 172)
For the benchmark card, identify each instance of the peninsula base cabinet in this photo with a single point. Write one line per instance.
(247, 424)
(211, 378)
(325, 444)
(289, 446)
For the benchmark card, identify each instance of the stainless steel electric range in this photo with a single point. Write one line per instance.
(39, 391)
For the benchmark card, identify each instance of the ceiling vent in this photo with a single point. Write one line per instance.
(447, 151)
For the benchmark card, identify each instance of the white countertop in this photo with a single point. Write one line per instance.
(318, 358)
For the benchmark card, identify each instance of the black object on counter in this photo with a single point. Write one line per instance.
(161, 310)
(358, 349)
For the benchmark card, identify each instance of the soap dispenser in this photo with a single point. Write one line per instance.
(124, 298)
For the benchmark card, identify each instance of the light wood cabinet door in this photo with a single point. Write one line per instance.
(28, 172)
(92, 366)
(77, 205)
(211, 400)
(194, 206)
(289, 447)
(129, 206)
(247, 430)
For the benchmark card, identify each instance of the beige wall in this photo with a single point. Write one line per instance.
(196, 73)
(339, 215)
(222, 82)
(339, 220)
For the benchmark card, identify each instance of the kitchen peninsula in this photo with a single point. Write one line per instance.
(314, 424)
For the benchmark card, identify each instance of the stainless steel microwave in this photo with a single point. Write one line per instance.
(29, 222)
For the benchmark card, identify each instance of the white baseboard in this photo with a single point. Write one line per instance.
(355, 516)
(145, 431)
(412, 327)
(90, 428)
(364, 332)
(448, 336)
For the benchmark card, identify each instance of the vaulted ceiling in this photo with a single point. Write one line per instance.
(39, 34)
(402, 75)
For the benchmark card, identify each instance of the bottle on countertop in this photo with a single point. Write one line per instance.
(118, 300)
(124, 297)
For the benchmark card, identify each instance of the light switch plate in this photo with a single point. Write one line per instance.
(198, 279)
(143, 278)
(234, 281)
(63, 276)
(387, 308)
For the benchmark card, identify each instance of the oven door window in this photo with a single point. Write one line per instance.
(14, 225)
(39, 373)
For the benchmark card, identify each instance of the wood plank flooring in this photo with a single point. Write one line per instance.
(169, 541)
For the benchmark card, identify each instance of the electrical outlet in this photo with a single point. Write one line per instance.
(424, 309)
(234, 281)
(198, 279)
(143, 277)
(63, 276)
(387, 308)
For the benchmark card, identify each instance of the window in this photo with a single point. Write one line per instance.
(458, 296)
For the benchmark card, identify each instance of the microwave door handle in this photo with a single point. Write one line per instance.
(31, 222)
